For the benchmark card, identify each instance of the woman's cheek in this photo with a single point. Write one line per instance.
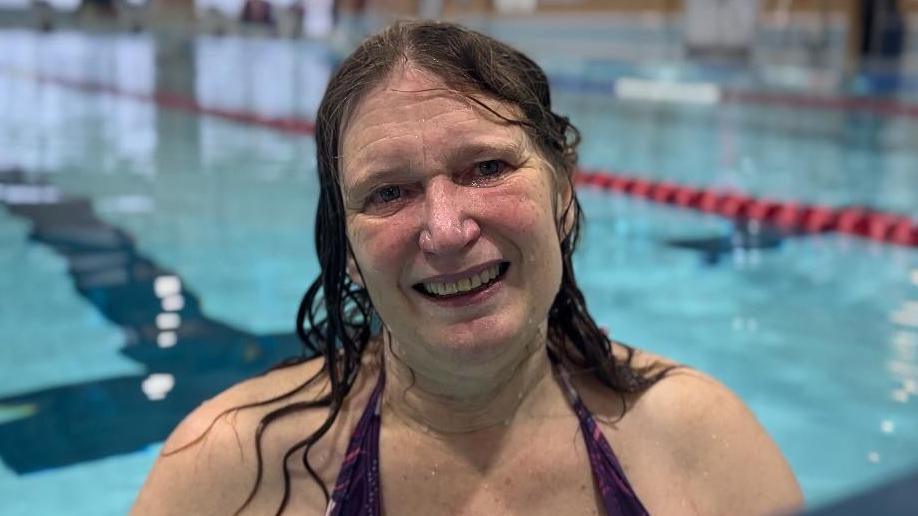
(384, 242)
(518, 210)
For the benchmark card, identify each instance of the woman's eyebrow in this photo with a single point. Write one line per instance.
(493, 148)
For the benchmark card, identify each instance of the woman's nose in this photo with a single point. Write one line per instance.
(449, 227)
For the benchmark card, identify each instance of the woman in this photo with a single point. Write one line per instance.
(459, 370)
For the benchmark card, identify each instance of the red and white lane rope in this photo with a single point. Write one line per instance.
(788, 215)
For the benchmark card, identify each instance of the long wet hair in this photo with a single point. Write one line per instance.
(336, 319)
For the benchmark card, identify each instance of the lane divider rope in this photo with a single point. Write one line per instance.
(188, 104)
(790, 216)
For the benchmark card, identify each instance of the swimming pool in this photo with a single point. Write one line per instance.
(154, 249)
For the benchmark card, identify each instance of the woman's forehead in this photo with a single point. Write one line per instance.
(413, 103)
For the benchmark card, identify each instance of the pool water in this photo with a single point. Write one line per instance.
(152, 256)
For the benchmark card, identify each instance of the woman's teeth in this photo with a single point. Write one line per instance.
(465, 284)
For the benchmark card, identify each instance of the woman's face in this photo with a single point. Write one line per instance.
(451, 218)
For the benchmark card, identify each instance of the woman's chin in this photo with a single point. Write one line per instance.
(484, 343)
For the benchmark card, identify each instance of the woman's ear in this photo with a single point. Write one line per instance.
(353, 271)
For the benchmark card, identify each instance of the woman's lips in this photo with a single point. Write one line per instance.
(466, 296)
(471, 271)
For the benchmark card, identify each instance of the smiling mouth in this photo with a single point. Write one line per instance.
(465, 286)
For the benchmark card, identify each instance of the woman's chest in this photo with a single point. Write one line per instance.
(528, 490)
(537, 476)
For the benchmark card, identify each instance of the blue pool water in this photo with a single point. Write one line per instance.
(150, 257)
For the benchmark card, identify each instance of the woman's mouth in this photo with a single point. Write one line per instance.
(473, 284)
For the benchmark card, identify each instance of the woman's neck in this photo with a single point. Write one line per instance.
(430, 396)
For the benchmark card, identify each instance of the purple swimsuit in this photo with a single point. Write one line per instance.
(357, 490)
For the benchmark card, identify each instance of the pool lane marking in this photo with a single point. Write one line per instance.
(60, 425)
(789, 215)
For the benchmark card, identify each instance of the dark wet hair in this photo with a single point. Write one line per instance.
(336, 319)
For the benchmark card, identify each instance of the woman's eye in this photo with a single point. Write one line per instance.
(387, 194)
(492, 167)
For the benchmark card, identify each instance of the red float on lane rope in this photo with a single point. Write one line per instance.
(904, 232)
(853, 221)
(686, 196)
(820, 219)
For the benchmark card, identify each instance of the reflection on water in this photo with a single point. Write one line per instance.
(45, 129)
(280, 81)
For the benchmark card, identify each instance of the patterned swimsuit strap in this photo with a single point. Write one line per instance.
(618, 497)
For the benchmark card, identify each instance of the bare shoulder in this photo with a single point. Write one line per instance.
(209, 464)
(731, 464)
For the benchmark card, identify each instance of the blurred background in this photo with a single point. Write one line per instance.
(750, 186)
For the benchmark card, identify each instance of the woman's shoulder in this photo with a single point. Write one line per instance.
(243, 405)
(730, 462)
(682, 393)
(210, 463)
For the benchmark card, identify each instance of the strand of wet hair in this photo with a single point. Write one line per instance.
(259, 435)
(329, 400)
(333, 400)
(306, 338)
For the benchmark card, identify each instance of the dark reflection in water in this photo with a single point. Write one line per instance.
(745, 236)
(199, 358)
